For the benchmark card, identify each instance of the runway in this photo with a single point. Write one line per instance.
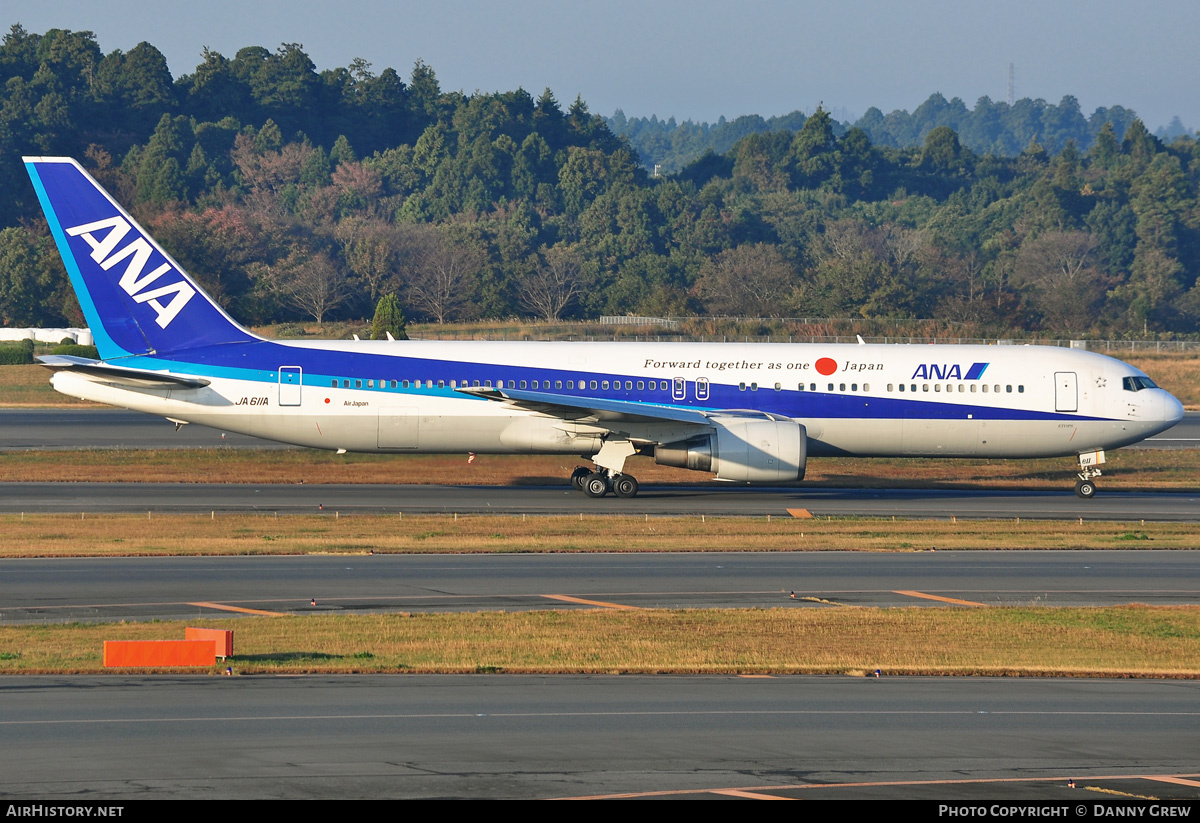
(59, 429)
(62, 590)
(714, 500)
(30, 429)
(549, 737)
(65, 429)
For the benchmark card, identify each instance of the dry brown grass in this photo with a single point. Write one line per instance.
(1177, 373)
(1126, 470)
(1130, 641)
(63, 535)
(29, 387)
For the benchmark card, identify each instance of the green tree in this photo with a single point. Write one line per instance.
(424, 93)
(1139, 144)
(137, 88)
(159, 170)
(342, 152)
(588, 173)
(24, 281)
(389, 319)
(1106, 151)
(214, 90)
(1152, 293)
(814, 151)
(761, 161)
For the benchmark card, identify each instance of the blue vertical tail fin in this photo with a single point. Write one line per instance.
(137, 300)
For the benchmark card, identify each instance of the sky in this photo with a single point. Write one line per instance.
(701, 59)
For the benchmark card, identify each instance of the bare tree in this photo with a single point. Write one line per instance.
(358, 187)
(439, 272)
(1058, 272)
(903, 245)
(752, 280)
(369, 249)
(312, 284)
(554, 285)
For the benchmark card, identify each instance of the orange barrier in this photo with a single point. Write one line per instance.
(221, 639)
(142, 653)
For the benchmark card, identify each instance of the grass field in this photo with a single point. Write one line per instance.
(1129, 641)
(125, 535)
(28, 387)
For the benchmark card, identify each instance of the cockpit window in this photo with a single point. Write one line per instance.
(1137, 383)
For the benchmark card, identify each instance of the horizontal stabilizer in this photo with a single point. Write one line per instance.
(120, 374)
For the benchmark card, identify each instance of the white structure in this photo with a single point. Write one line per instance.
(81, 336)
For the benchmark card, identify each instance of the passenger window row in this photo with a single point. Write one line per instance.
(962, 388)
(840, 387)
(1131, 384)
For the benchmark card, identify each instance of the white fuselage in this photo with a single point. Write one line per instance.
(861, 400)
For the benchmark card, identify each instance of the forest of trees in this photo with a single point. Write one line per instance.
(293, 194)
(989, 128)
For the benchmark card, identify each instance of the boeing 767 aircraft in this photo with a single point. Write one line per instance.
(750, 413)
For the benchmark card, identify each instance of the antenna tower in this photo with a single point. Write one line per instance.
(1012, 97)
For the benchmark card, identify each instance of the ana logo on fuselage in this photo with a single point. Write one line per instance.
(138, 251)
(944, 371)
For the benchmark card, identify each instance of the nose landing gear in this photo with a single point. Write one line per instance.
(1089, 467)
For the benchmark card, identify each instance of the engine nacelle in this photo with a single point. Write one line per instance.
(743, 450)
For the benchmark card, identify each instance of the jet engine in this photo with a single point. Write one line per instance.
(743, 450)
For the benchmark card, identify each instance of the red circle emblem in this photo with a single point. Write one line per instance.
(826, 366)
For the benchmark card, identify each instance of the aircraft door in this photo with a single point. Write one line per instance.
(701, 388)
(290, 379)
(1066, 391)
(399, 428)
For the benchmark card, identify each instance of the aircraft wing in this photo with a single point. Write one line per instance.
(121, 374)
(571, 407)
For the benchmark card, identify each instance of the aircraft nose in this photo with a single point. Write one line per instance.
(1172, 411)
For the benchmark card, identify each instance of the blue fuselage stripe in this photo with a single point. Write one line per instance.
(260, 362)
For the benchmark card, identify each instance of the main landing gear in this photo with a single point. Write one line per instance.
(1089, 467)
(600, 483)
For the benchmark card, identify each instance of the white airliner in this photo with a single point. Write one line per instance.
(751, 413)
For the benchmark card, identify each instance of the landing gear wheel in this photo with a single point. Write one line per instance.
(595, 485)
(625, 485)
(579, 476)
(1085, 489)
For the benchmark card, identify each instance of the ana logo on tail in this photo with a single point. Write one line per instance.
(138, 251)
